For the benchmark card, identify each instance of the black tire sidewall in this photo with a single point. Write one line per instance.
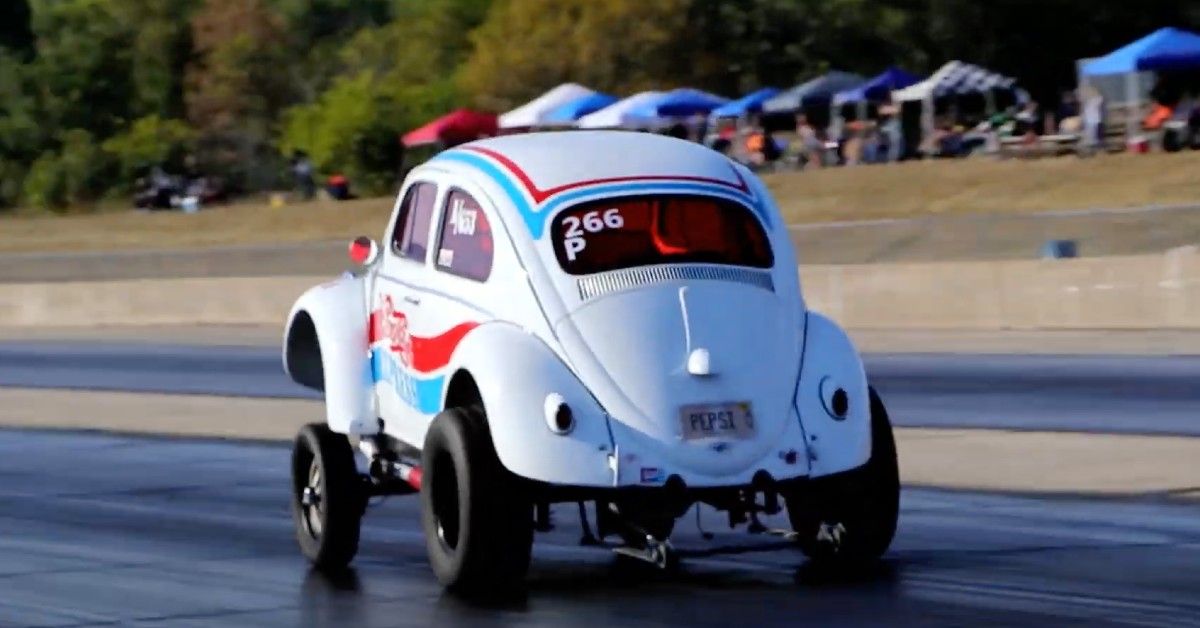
(445, 438)
(866, 499)
(343, 496)
(494, 512)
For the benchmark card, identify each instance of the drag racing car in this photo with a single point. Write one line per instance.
(606, 319)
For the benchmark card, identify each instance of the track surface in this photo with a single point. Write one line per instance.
(103, 530)
(1146, 395)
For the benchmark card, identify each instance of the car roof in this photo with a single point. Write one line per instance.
(540, 172)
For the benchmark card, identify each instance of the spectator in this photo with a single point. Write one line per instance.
(678, 131)
(891, 132)
(338, 187)
(1028, 119)
(1068, 109)
(302, 172)
(755, 141)
(1092, 116)
(811, 146)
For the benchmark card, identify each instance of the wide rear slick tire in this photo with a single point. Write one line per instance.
(477, 516)
(865, 501)
(328, 497)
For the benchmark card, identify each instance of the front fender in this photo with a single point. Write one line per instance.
(325, 347)
(515, 371)
(830, 361)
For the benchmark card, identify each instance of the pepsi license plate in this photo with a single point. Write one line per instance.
(719, 420)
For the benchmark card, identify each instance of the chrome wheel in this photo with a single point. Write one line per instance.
(310, 501)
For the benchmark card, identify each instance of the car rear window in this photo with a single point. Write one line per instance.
(643, 230)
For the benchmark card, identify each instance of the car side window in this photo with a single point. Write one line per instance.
(410, 238)
(465, 247)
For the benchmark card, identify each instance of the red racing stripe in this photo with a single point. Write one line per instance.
(539, 195)
(431, 354)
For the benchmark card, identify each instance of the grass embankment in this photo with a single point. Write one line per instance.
(906, 190)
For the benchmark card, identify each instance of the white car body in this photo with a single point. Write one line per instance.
(625, 349)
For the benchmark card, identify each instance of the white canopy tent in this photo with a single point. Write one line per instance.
(531, 113)
(953, 78)
(622, 113)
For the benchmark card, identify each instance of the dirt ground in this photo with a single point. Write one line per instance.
(970, 188)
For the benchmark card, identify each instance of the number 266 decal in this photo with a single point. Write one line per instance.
(575, 236)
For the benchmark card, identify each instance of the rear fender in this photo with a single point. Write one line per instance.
(515, 372)
(325, 348)
(829, 362)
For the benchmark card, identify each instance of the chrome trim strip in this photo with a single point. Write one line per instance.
(597, 285)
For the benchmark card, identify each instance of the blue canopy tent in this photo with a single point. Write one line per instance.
(1166, 49)
(569, 112)
(750, 103)
(878, 88)
(816, 92)
(680, 103)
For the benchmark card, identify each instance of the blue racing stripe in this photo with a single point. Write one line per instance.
(423, 394)
(535, 217)
(533, 220)
(674, 186)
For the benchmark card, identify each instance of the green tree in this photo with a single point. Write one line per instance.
(15, 32)
(620, 45)
(424, 42)
(1027, 39)
(76, 174)
(83, 64)
(159, 54)
(314, 20)
(235, 89)
(149, 141)
(316, 31)
(733, 47)
(355, 126)
(22, 132)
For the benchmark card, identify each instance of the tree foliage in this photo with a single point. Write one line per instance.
(15, 33)
(72, 175)
(234, 88)
(620, 45)
(91, 91)
(148, 142)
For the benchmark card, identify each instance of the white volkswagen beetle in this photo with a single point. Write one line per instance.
(605, 318)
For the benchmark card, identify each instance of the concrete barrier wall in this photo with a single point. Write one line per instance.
(214, 301)
(1137, 292)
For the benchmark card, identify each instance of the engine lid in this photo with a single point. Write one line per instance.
(706, 369)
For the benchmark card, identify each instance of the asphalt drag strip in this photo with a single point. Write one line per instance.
(1155, 395)
(114, 530)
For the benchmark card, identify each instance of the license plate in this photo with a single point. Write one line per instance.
(717, 420)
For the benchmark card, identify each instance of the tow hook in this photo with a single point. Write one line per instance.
(656, 552)
(830, 535)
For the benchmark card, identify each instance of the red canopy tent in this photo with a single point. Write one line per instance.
(455, 127)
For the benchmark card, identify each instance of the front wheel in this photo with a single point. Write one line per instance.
(328, 497)
(477, 516)
(852, 517)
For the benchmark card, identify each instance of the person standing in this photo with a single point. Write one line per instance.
(1092, 116)
(302, 172)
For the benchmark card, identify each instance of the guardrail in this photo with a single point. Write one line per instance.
(1133, 292)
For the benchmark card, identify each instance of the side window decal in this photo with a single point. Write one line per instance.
(465, 246)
